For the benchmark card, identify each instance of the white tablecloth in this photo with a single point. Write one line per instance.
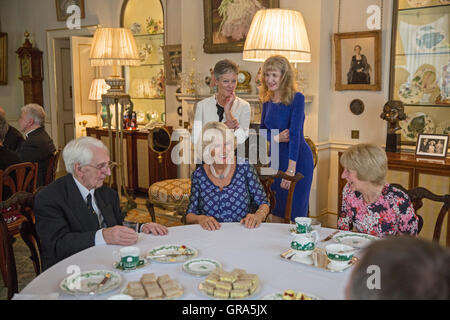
(255, 250)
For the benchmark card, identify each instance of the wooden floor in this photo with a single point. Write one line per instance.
(25, 271)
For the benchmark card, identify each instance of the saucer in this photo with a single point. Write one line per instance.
(335, 267)
(141, 264)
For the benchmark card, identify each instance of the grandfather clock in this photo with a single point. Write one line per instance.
(31, 72)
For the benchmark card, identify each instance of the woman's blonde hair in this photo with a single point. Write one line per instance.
(288, 86)
(210, 132)
(368, 160)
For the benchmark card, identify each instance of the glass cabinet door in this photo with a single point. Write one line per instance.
(420, 66)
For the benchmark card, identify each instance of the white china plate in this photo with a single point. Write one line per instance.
(279, 296)
(333, 267)
(253, 295)
(356, 240)
(171, 249)
(407, 131)
(200, 266)
(410, 93)
(88, 280)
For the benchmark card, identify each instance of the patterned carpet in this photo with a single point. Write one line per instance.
(25, 270)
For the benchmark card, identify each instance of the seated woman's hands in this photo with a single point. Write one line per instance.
(154, 228)
(208, 223)
(252, 220)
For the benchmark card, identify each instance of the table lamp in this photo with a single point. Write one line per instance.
(116, 47)
(277, 32)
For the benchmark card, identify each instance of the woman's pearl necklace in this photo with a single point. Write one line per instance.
(220, 176)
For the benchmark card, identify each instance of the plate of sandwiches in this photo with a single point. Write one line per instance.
(290, 295)
(151, 287)
(234, 285)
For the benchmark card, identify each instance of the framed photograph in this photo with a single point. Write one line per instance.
(227, 23)
(432, 145)
(3, 58)
(172, 64)
(62, 5)
(358, 60)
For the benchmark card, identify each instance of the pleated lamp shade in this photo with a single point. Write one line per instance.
(98, 87)
(113, 47)
(277, 32)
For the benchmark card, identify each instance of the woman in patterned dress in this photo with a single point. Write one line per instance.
(370, 204)
(223, 189)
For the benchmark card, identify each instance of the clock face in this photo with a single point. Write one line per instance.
(26, 67)
(241, 77)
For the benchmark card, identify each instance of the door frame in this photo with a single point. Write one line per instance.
(52, 35)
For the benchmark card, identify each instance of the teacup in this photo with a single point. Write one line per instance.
(304, 244)
(339, 254)
(303, 224)
(128, 257)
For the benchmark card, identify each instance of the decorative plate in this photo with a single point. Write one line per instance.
(201, 266)
(415, 124)
(410, 93)
(141, 264)
(171, 253)
(279, 296)
(88, 280)
(425, 78)
(443, 127)
(356, 240)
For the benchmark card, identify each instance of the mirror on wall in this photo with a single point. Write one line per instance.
(420, 66)
(146, 83)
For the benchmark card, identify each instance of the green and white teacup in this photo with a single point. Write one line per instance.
(303, 224)
(304, 244)
(128, 257)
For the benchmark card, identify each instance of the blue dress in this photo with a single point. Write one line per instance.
(292, 117)
(243, 195)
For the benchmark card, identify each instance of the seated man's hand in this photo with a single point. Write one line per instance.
(154, 228)
(232, 124)
(120, 235)
(251, 221)
(209, 223)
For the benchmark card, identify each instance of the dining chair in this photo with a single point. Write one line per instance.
(15, 178)
(23, 201)
(52, 167)
(416, 195)
(268, 178)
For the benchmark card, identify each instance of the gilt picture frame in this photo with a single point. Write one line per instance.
(226, 24)
(62, 5)
(3, 58)
(358, 60)
(172, 64)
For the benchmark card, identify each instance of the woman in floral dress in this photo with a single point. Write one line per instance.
(370, 204)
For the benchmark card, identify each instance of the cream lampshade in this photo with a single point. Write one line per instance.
(277, 32)
(98, 87)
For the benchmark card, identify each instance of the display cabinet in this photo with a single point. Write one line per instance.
(146, 83)
(420, 66)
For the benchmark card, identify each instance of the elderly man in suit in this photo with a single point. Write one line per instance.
(38, 146)
(77, 211)
(13, 139)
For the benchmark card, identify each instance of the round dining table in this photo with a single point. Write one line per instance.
(256, 251)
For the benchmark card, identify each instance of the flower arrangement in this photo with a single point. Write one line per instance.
(154, 26)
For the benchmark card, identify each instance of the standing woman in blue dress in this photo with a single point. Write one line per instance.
(283, 116)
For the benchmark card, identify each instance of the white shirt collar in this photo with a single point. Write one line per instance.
(83, 190)
(26, 134)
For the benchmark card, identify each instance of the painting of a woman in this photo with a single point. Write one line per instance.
(359, 68)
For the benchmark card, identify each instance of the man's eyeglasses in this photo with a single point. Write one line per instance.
(103, 166)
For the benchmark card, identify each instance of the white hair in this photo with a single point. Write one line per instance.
(80, 151)
(35, 112)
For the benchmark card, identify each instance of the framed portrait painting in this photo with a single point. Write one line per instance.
(227, 23)
(62, 5)
(358, 60)
(172, 63)
(432, 145)
(3, 58)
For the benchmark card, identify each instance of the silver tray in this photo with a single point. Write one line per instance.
(318, 259)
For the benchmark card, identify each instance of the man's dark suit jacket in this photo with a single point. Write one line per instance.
(38, 147)
(63, 222)
(13, 139)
